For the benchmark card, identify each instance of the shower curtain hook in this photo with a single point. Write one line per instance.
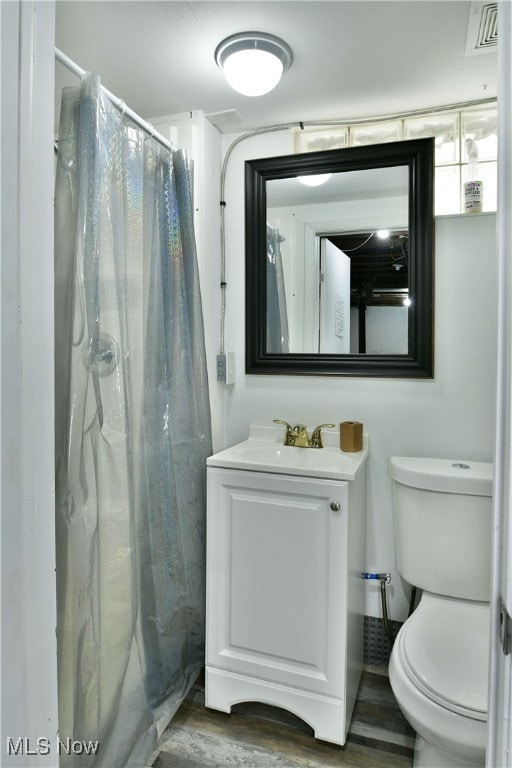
(122, 107)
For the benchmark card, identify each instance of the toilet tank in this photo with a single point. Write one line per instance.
(443, 525)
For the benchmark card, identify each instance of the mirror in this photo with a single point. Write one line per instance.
(339, 261)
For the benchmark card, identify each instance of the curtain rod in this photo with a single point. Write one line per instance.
(119, 103)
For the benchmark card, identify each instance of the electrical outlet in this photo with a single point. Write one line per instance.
(221, 367)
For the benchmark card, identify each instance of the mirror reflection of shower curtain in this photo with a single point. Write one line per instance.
(132, 433)
(277, 317)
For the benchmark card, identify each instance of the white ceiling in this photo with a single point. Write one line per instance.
(352, 58)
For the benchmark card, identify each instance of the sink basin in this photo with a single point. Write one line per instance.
(264, 452)
(286, 456)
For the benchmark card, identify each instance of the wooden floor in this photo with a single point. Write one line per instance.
(260, 736)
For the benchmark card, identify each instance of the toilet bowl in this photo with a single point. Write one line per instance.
(438, 672)
(439, 663)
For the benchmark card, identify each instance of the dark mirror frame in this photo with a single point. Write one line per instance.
(418, 155)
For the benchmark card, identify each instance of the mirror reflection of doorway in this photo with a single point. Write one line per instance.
(364, 295)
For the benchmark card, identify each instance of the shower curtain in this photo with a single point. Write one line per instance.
(277, 314)
(132, 434)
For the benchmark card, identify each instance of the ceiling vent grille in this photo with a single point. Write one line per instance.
(488, 32)
(483, 28)
(225, 118)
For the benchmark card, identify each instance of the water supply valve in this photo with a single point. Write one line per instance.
(382, 577)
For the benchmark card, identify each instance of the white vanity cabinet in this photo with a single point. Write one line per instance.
(285, 597)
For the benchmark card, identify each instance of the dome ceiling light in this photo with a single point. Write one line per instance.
(253, 62)
(315, 180)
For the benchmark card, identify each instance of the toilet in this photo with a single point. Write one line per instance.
(439, 663)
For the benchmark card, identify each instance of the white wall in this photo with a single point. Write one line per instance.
(386, 330)
(451, 415)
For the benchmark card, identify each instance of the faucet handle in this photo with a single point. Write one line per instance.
(288, 437)
(316, 437)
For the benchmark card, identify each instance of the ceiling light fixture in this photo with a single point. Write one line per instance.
(315, 180)
(253, 62)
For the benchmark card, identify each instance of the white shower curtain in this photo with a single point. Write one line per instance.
(277, 314)
(132, 434)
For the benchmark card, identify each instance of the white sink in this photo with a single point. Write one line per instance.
(264, 451)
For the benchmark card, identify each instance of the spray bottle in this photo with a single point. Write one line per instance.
(473, 187)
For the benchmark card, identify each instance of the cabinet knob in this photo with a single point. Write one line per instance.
(335, 506)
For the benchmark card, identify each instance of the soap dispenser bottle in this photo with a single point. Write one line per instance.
(473, 187)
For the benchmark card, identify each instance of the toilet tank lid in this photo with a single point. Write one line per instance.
(446, 475)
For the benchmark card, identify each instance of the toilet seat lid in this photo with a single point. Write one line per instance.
(445, 649)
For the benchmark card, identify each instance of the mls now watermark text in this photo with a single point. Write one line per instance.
(44, 746)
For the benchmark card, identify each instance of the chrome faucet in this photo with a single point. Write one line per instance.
(298, 437)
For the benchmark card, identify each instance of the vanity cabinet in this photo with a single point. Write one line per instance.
(285, 597)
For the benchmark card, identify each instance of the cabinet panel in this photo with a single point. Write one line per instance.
(277, 565)
(280, 573)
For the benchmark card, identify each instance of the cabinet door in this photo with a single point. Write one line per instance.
(276, 578)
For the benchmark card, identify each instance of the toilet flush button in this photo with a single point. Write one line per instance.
(461, 466)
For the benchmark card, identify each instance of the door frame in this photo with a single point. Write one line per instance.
(29, 648)
(499, 744)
